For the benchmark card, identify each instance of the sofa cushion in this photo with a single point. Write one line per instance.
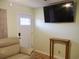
(9, 50)
(19, 56)
(8, 41)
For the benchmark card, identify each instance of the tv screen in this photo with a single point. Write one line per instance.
(61, 12)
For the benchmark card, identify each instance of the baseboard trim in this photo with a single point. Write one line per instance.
(40, 55)
(43, 55)
(42, 52)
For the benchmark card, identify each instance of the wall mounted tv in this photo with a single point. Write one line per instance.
(59, 13)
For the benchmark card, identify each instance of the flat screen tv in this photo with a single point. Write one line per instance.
(59, 13)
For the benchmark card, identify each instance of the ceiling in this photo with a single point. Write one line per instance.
(35, 3)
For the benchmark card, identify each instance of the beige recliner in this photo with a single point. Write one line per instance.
(10, 49)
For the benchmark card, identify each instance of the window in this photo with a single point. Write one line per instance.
(25, 21)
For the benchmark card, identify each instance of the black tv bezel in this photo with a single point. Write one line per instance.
(74, 17)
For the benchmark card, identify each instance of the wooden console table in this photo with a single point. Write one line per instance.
(60, 41)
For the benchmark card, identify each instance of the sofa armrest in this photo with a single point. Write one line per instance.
(27, 51)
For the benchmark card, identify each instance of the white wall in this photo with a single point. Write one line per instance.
(45, 31)
(12, 12)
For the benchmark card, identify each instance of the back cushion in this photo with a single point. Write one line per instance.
(8, 41)
(9, 50)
